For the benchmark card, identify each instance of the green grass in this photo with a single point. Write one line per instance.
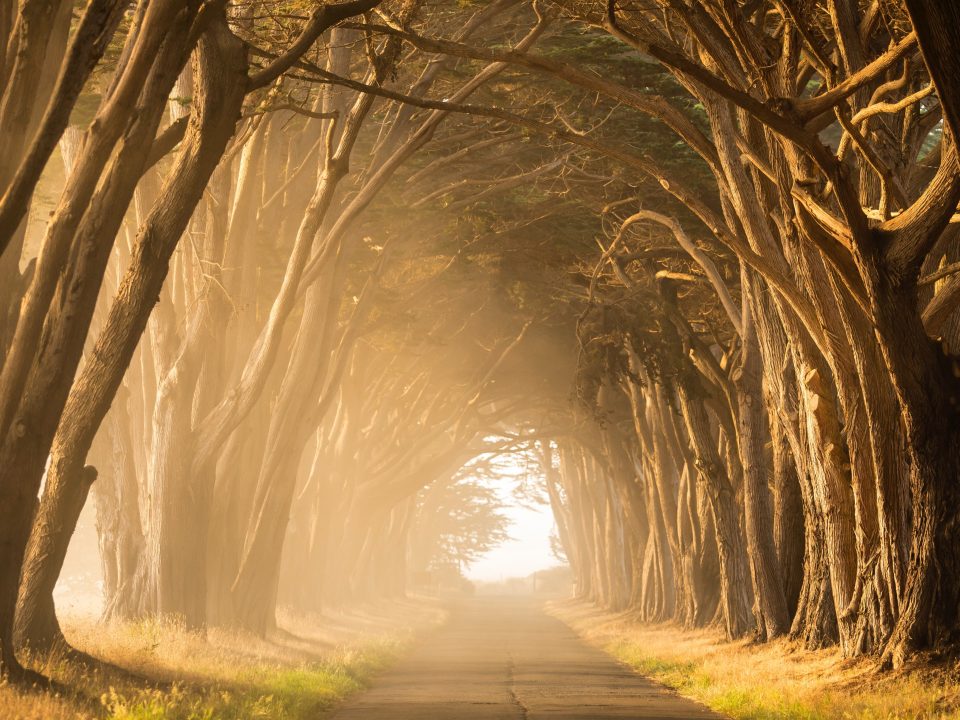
(756, 698)
(778, 680)
(272, 693)
(180, 674)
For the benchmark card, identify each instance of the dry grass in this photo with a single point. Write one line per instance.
(764, 681)
(172, 674)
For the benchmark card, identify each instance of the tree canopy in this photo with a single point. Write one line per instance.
(281, 280)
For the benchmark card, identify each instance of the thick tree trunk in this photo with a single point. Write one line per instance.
(32, 410)
(303, 384)
(926, 383)
(872, 419)
(36, 626)
(788, 520)
(734, 572)
(16, 515)
(219, 96)
(937, 24)
(178, 509)
(815, 620)
(571, 486)
(233, 497)
(771, 604)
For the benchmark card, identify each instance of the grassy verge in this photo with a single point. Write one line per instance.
(167, 673)
(751, 681)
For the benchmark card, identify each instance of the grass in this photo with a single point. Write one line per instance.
(768, 681)
(169, 673)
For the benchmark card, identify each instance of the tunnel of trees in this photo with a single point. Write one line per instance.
(281, 279)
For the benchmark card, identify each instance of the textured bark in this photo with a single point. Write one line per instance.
(815, 621)
(771, 603)
(221, 69)
(37, 628)
(34, 386)
(788, 517)
(37, 41)
(937, 24)
(929, 394)
(734, 572)
(53, 103)
(98, 190)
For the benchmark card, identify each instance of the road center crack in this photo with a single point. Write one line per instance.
(513, 688)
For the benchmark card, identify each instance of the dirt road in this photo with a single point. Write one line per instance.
(506, 658)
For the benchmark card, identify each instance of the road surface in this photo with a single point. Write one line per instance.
(505, 658)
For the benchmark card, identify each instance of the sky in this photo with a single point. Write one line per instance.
(528, 551)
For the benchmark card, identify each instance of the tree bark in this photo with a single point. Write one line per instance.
(771, 603)
(221, 70)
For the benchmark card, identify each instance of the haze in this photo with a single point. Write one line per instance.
(466, 359)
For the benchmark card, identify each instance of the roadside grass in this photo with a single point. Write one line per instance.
(768, 681)
(165, 672)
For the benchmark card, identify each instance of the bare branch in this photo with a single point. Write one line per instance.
(323, 18)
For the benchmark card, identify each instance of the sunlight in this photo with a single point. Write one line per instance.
(528, 549)
(451, 360)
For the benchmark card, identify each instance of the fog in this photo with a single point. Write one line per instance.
(317, 317)
(528, 550)
(531, 545)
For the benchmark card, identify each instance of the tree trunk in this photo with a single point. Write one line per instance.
(771, 603)
(937, 24)
(788, 520)
(36, 625)
(926, 383)
(218, 99)
(734, 572)
(119, 526)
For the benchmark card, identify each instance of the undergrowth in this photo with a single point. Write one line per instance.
(164, 672)
(768, 681)
(274, 693)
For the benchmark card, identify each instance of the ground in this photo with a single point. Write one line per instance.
(469, 659)
(169, 674)
(766, 681)
(505, 658)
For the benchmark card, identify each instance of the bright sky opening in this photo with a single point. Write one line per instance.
(526, 552)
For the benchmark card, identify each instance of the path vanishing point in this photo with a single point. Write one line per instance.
(506, 658)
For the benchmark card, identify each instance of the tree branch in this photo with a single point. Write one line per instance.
(323, 18)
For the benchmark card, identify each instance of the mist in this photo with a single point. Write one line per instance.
(479, 358)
